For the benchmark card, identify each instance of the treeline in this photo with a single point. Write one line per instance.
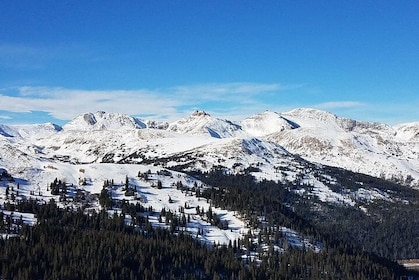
(382, 235)
(72, 245)
(255, 200)
(388, 228)
(69, 244)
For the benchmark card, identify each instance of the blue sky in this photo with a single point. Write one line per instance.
(164, 59)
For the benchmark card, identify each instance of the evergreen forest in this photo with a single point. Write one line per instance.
(70, 244)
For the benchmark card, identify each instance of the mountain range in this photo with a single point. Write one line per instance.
(200, 141)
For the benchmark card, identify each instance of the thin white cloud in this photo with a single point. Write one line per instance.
(5, 117)
(65, 104)
(233, 101)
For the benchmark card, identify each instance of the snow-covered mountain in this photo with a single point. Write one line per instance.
(266, 140)
(201, 123)
(29, 130)
(104, 121)
(371, 148)
(266, 123)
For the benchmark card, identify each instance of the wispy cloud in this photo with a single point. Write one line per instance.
(228, 99)
(5, 117)
(65, 104)
(233, 101)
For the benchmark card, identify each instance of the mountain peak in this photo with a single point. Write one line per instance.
(104, 121)
(202, 123)
(200, 113)
(310, 113)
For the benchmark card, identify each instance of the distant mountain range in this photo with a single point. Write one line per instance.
(200, 141)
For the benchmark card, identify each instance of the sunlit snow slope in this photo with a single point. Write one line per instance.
(266, 140)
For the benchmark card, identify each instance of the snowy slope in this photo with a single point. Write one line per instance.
(94, 175)
(266, 123)
(29, 130)
(37, 131)
(5, 131)
(408, 132)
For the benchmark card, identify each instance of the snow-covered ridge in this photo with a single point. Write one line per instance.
(372, 148)
(408, 131)
(307, 117)
(104, 121)
(29, 130)
(266, 123)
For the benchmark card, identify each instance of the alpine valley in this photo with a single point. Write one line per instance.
(301, 194)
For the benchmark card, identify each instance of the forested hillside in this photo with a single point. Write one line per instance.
(339, 242)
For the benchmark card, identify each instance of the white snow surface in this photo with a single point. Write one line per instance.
(266, 123)
(408, 132)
